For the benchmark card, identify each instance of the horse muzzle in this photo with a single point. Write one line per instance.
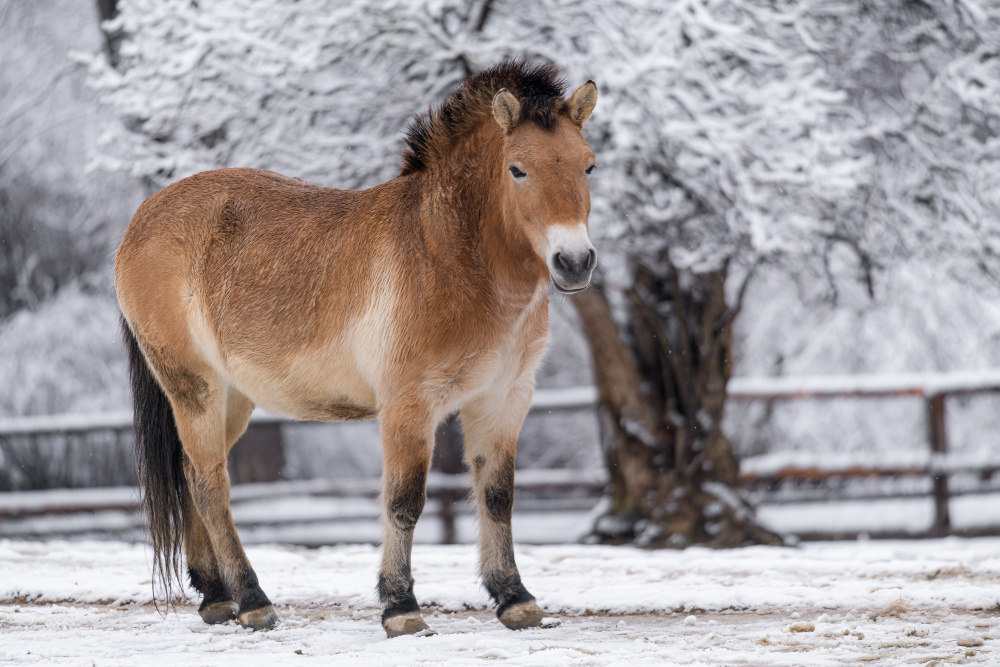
(571, 270)
(571, 257)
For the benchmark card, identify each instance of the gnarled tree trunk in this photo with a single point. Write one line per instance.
(662, 391)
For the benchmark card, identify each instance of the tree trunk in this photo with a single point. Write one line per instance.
(448, 459)
(661, 401)
(107, 10)
(258, 456)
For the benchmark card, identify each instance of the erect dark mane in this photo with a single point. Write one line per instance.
(537, 87)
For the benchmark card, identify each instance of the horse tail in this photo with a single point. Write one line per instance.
(159, 460)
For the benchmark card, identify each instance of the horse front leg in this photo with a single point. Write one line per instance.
(407, 444)
(491, 428)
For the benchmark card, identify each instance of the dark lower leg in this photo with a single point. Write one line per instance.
(407, 442)
(234, 575)
(217, 605)
(404, 501)
(494, 482)
(502, 580)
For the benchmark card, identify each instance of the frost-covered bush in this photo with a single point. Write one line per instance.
(924, 77)
(38, 258)
(59, 347)
(64, 357)
(717, 128)
(49, 124)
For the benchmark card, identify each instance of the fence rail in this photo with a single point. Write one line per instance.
(933, 389)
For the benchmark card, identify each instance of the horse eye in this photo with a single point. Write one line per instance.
(590, 169)
(517, 173)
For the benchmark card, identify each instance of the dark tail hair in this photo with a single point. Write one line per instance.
(160, 462)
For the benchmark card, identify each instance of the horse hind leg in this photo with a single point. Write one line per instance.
(217, 605)
(206, 436)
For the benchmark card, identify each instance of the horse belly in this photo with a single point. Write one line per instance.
(334, 371)
(338, 378)
(316, 385)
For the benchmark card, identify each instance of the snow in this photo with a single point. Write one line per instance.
(821, 604)
(564, 398)
(775, 462)
(918, 384)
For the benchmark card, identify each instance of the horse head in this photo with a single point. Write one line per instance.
(546, 184)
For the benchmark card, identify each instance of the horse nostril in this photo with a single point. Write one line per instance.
(591, 259)
(562, 263)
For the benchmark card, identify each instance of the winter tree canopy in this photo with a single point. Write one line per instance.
(728, 126)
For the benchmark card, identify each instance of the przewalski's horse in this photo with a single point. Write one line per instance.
(405, 302)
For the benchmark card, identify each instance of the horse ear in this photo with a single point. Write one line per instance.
(582, 103)
(506, 109)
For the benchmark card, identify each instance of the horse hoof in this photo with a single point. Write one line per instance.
(411, 623)
(259, 619)
(219, 612)
(524, 615)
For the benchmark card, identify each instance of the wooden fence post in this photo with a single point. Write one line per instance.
(258, 456)
(448, 459)
(939, 445)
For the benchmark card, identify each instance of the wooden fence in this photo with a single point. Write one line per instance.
(934, 389)
(256, 461)
(259, 456)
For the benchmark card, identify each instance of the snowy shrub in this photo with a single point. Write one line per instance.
(64, 357)
(719, 128)
(320, 89)
(52, 207)
(59, 348)
(38, 258)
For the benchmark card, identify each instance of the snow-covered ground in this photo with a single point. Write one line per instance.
(929, 602)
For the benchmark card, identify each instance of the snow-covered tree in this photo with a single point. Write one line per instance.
(822, 138)
(926, 78)
(321, 89)
(826, 139)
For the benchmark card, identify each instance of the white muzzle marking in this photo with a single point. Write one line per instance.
(568, 255)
